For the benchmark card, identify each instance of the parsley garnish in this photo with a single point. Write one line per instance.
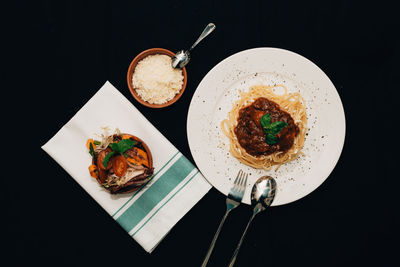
(91, 150)
(120, 147)
(271, 129)
(96, 142)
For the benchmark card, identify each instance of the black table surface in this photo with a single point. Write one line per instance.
(62, 52)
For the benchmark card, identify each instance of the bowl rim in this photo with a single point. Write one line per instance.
(131, 69)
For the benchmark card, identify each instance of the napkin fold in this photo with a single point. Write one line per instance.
(150, 213)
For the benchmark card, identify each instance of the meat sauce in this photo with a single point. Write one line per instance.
(250, 133)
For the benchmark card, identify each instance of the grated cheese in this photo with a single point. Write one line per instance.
(155, 80)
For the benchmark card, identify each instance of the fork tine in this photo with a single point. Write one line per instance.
(245, 182)
(237, 178)
(238, 186)
(242, 186)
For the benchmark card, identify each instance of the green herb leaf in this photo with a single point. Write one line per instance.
(114, 147)
(276, 127)
(119, 147)
(265, 120)
(271, 129)
(107, 158)
(96, 142)
(125, 144)
(271, 139)
(91, 149)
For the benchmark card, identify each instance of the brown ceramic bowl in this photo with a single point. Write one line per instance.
(149, 156)
(131, 69)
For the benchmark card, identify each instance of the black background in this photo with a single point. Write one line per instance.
(60, 53)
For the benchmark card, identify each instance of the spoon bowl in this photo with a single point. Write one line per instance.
(181, 58)
(263, 192)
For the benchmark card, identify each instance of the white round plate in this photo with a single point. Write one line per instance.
(220, 88)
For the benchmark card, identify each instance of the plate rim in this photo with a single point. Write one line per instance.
(341, 142)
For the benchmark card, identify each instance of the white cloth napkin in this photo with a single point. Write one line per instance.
(149, 214)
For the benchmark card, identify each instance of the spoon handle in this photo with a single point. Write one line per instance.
(241, 241)
(214, 240)
(208, 29)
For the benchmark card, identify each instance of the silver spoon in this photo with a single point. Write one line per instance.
(262, 195)
(181, 58)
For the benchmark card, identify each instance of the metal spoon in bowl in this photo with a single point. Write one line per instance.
(262, 195)
(181, 58)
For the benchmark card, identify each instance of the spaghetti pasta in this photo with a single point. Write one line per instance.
(292, 103)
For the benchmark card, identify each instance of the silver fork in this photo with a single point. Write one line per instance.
(232, 201)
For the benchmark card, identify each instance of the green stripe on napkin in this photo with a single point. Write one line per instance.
(154, 175)
(155, 193)
(194, 175)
